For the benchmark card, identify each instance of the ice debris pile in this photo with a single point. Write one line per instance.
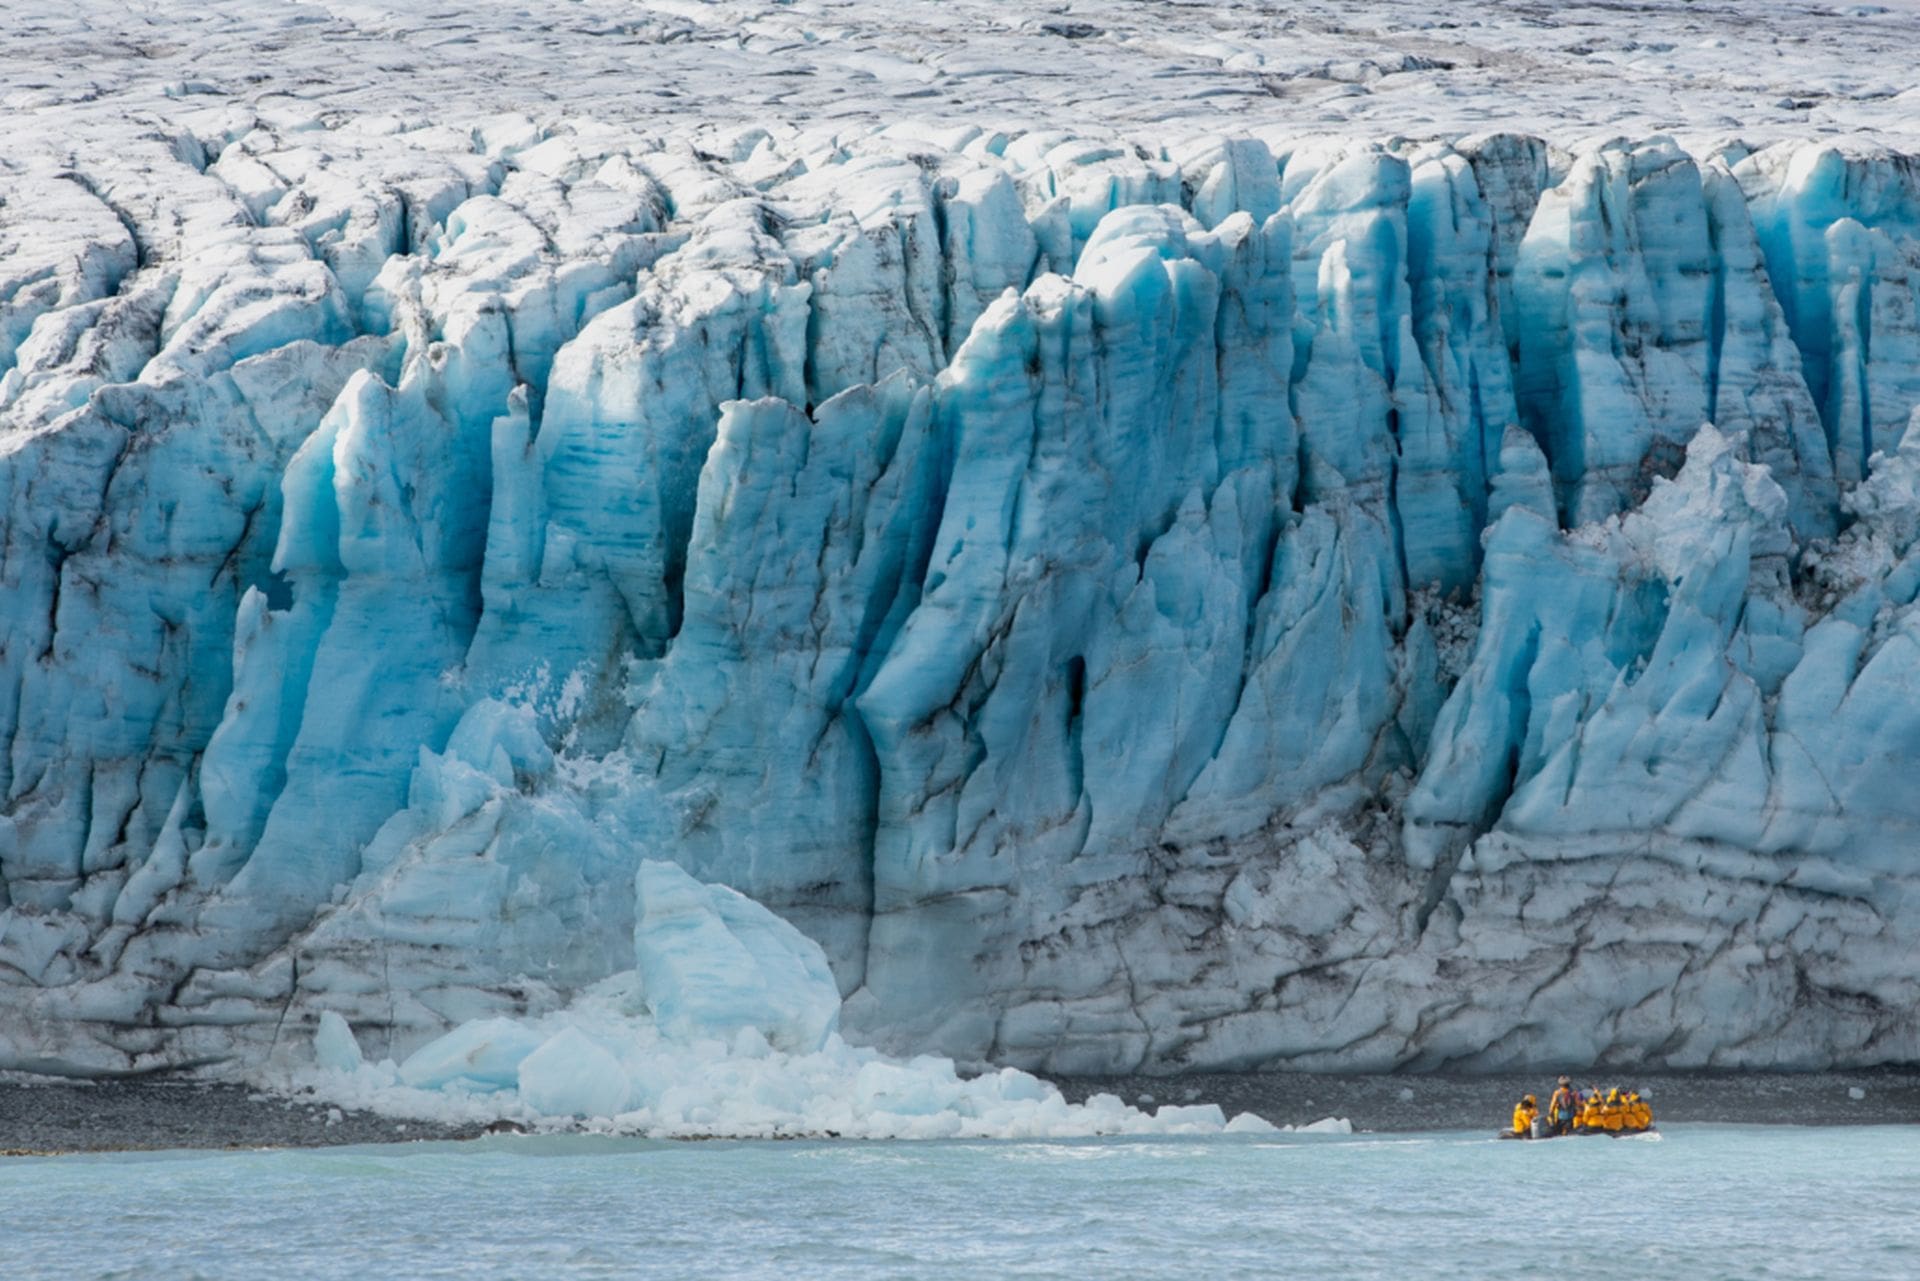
(726, 1028)
(1235, 601)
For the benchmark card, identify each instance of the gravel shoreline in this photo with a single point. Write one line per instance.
(40, 1118)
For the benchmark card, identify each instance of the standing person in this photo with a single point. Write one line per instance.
(1562, 1106)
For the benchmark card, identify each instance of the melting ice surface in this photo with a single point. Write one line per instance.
(1835, 1203)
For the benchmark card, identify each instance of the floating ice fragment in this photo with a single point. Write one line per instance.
(1248, 1123)
(1015, 1086)
(714, 961)
(572, 1075)
(1327, 1125)
(484, 1054)
(333, 1045)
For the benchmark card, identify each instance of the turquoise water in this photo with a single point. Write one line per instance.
(1703, 1202)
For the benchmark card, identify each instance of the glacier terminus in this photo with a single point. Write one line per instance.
(1072, 599)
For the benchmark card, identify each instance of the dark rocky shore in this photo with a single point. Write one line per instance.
(106, 1116)
(46, 1117)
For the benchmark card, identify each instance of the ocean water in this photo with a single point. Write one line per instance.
(1702, 1201)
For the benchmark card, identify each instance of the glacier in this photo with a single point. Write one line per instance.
(1252, 600)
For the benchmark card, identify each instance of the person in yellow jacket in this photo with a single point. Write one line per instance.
(1639, 1112)
(1590, 1115)
(1613, 1112)
(1523, 1113)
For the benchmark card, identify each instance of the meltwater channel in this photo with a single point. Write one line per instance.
(1704, 1201)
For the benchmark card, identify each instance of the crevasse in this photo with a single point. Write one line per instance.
(1247, 602)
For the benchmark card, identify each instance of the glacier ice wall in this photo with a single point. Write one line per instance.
(1251, 601)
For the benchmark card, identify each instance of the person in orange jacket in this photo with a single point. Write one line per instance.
(1523, 1113)
(1591, 1119)
(1613, 1112)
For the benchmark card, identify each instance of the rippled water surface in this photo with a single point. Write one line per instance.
(1702, 1201)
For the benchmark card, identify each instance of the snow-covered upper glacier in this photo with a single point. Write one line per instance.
(1236, 597)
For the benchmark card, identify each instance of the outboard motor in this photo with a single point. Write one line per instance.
(1541, 1129)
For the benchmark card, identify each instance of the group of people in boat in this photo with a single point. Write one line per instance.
(1570, 1112)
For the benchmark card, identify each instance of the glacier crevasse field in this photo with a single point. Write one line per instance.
(1251, 602)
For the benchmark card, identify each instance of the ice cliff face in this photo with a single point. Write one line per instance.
(1254, 602)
